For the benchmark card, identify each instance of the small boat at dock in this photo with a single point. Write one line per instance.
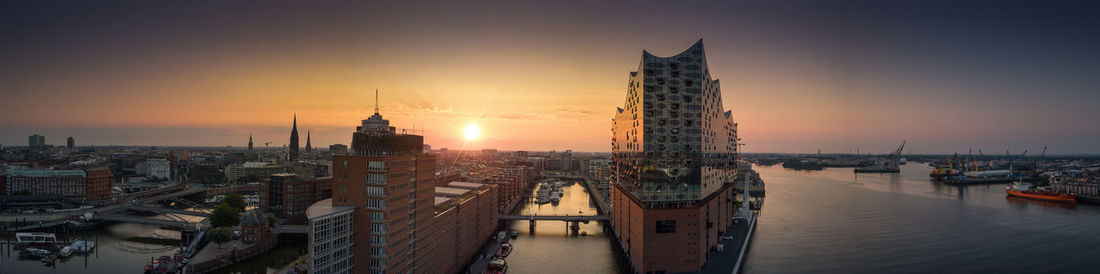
(39, 240)
(505, 250)
(496, 266)
(36, 252)
(82, 247)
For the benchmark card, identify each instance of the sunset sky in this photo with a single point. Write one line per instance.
(540, 75)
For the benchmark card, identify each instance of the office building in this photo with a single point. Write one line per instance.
(331, 236)
(156, 169)
(391, 183)
(35, 141)
(254, 170)
(674, 152)
(71, 143)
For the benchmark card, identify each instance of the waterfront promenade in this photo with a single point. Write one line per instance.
(732, 256)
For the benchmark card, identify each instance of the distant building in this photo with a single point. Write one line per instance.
(156, 169)
(92, 183)
(567, 160)
(294, 140)
(338, 149)
(249, 141)
(489, 153)
(254, 227)
(674, 152)
(35, 141)
(71, 143)
(258, 170)
(288, 195)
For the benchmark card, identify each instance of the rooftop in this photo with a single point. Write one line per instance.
(450, 191)
(325, 207)
(441, 200)
(465, 185)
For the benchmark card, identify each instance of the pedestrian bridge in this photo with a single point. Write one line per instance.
(567, 218)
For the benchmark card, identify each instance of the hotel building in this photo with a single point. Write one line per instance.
(674, 152)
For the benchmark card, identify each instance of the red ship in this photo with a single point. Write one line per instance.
(1025, 191)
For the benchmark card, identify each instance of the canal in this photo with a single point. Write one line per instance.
(835, 221)
(551, 248)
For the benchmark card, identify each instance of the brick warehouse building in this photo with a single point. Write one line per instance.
(674, 151)
(289, 195)
(86, 184)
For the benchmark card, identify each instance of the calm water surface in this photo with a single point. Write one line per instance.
(833, 221)
(122, 248)
(551, 248)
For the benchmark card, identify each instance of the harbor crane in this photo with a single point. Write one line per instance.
(1044, 153)
(896, 156)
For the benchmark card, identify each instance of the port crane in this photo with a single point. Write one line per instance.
(896, 156)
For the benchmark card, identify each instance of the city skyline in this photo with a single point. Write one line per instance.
(945, 76)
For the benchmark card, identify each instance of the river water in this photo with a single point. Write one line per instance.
(833, 221)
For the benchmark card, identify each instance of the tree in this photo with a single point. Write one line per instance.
(218, 235)
(225, 215)
(236, 200)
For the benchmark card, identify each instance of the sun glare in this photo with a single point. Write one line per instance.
(472, 132)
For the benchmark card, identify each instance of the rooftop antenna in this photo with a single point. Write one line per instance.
(375, 101)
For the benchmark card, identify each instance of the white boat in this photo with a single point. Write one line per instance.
(35, 239)
(65, 252)
(82, 246)
(38, 253)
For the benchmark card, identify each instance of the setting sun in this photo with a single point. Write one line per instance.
(472, 131)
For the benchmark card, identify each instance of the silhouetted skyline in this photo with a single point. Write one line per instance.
(798, 75)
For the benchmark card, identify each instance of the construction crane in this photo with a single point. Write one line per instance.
(1044, 153)
(1024, 155)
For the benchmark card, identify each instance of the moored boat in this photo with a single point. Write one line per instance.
(39, 240)
(37, 252)
(65, 252)
(1025, 191)
(496, 266)
(505, 250)
(82, 246)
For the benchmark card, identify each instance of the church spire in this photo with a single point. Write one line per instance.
(249, 140)
(309, 147)
(294, 140)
